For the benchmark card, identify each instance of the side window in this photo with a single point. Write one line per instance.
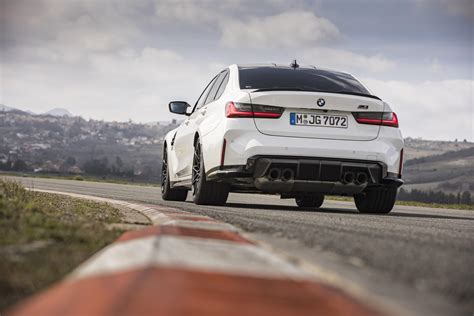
(202, 98)
(217, 83)
(223, 85)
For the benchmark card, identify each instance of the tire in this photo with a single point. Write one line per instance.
(314, 200)
(167, 193)
(376, 201)
(206, 192)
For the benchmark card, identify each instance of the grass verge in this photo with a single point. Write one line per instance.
(44, 236)
(79, 178)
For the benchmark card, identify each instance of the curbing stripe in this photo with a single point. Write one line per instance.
(177, 292)
(188, 252)
(182, 231)
(201, 225)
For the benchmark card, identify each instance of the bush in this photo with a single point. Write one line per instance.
(439, 197)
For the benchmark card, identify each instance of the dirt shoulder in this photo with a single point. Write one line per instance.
(45, 236)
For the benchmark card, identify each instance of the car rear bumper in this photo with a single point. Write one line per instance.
(279, 174)
(243, 144)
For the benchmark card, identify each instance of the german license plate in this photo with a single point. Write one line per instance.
(323, 120)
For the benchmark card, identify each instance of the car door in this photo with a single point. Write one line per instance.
(183, 144)
(214, 107)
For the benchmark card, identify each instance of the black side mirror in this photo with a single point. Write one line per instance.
(179, 107)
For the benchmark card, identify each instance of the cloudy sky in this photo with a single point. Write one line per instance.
(120, 60)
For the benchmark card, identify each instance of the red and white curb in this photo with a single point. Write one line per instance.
(187, 264)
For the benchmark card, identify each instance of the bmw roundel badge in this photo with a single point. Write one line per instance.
(321, 102)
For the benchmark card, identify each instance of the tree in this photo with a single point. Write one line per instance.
(97, 166)
(19, 165)
(70, 161)
(119, 162)
(466, 198)
(74, 130)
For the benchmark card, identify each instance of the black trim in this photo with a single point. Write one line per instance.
(321, 91)
(225, 172)
(202, 94)
(392, 181)
(226, 77)
(295, 158)
(205, 97)
(257, 167)
(181, 184)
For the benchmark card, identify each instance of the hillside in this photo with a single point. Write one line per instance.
(60, 143)
(72, 145)
(418, 148)
(5, 108)
(52, 112)
(58, 112)
(451, 171)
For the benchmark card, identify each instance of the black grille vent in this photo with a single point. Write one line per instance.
(330, 171)
(308, 171)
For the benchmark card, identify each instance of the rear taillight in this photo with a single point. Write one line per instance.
(377, 118)
(235, 109)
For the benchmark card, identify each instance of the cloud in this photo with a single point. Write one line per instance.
(453, 7)
(192, 12)
(430, 109)
(346, 60)
(286, 30)
(198, 12)
(58, 31)
(127, 59)
(130, 83)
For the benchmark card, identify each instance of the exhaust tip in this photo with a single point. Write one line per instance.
(348, 177)
(287, 175)
(274, 174)
(361, 178)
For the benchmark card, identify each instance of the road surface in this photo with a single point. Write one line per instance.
(421, 258)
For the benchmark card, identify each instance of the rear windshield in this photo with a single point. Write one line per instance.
(281, 78)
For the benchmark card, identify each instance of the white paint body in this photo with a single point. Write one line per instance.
(247, 137)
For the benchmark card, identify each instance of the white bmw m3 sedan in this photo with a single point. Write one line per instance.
(300, 132)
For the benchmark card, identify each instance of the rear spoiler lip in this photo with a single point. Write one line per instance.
(321, 91)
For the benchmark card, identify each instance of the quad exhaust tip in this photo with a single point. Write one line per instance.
(274, 174)
(278, 174)
(361, 178)
(348, 177)
(287, 175)
(358, 179)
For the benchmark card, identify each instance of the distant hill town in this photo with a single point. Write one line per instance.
(51, 143)
(57, 142)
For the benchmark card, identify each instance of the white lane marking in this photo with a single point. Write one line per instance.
(191, 253)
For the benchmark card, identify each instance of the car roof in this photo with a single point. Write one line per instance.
(266, 65)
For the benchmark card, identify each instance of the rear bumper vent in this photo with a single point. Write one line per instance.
(322, 170)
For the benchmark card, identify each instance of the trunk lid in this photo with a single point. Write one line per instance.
(306, 103)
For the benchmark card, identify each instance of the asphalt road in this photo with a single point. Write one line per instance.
(421, 259)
